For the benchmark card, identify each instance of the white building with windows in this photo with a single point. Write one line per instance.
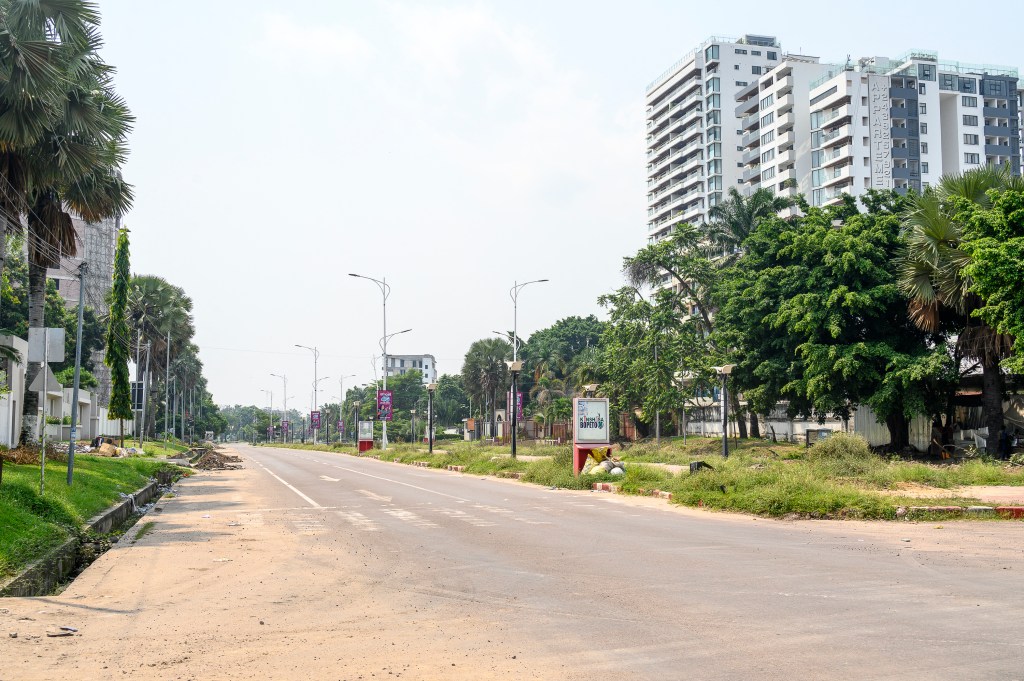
(425, 364)
(691, 135)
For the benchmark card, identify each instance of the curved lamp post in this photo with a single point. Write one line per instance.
(515, 366)
(316, 358)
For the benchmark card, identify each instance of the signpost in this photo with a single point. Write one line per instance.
(591, 429)
(365, 435)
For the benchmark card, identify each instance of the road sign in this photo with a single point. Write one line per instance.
(314, 420)
(138, 390)
(53, 351)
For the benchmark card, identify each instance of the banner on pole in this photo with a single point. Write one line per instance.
(384, 405)
(314, 420)
(284, 426)
(519, 404)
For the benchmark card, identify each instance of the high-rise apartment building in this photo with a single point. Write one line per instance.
(692, 136)
(740, 113)
(398, 365)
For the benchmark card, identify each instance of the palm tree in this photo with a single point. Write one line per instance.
(733, 220)
(931, 275)
(484, 370)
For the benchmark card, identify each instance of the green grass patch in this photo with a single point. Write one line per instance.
(144, 530)
(33, 524)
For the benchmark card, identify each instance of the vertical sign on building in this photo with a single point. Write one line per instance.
(880, 119)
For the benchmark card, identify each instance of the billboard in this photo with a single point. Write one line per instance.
(366, 430)
(385, 407)
(314, 420)
(284, 426)
(590, 420)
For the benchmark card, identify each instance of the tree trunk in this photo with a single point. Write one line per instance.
(992, 403)
(36, 311)
(734, 404)
(755, 427)
(899, 431)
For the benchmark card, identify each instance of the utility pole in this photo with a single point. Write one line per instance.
(145, 393)
(78, 371)
(167, 386)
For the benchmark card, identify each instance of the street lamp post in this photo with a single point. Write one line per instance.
(341, 399)
(270, 415)
(383, 343)
(516, 366)
(284, 434)
(385, 291)
(724, 372)
(431, 387)
(355, 421)
(316, 358)
(316, 396)
(412, 425)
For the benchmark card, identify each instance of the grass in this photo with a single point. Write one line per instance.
(156, 447)
(762, 478)
(33, 524)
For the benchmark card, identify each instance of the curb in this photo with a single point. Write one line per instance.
(1010, 511)
(457, 469)
(1004, 511)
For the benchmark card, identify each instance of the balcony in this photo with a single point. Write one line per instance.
(750, 121)
(785, 85)
(752, 173)
(747, 107)
(997, 149)
(750, 138)
(837, 136)
(837, 155)
(902, 93)
(901, 152)
(997, 130)
(784, 104)
(785, 121)
(751, 155)
(995, 111)
(835, 115)
(838, 176)
(786, 158)
(786, 139)
(899, 112)
(909, 132)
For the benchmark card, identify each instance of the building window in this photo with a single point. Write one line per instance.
(768, 173)
(713, 85)
(972, 159)
(715, 150)
(924, 167)
(921, 88)
(711, 52)
(755, 53)
(767, 102)
(773, 56)
(924, 128)
(967, 101)
(740, 51)
(971, 139)
(714, 134)
(925, 72)
(714, 118)
(741, 83)
(924, 147)
(715, 167)
(922, 108)
(736, 67)
(767, 119)
(715, 183)
(714, 101)
(756, 70)
(767, 156)
(767, 137)
(970, 120)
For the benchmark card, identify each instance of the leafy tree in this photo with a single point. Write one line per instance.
(451, 403)
(994, 241)
(484, 371)
(85, 378)
(117, 336)
(735, 219)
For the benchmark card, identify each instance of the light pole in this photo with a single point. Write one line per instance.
(385, 291)
(341, 399)
(516, 366)
(431, 387)
(316, 395)
(284, 432)
(412, 426)
(383, 342)
(723, 372)
(355, 422)
(316, 358)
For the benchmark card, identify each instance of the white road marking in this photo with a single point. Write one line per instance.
(398, 482)
(308, 500)
(373, 495)
(465, 517)
(324, 477)
(493, 509)
(359, 520)
(409, 517)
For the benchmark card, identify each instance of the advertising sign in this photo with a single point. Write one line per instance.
(341, 427)
(270, 432)
(590, 420)
(314, 420)
(384, 405)
(366, 430)
(284, 426)
(519, 404)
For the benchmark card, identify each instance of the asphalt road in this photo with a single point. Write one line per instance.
(628, 588)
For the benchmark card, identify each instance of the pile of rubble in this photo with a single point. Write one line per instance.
(213, 460)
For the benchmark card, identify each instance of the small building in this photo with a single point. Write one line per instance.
(398, 365)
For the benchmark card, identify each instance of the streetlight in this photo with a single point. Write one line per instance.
(516, 366)
(316, 358)
(431, 387)
(723, 372)
(355, 422)
(383, 343)
(316, 396)
(341, 399)
(284, 430)
(412, 426)
(385, 291)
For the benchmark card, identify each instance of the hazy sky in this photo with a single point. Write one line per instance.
(452, 147)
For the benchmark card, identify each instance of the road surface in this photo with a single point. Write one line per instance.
(318, 565)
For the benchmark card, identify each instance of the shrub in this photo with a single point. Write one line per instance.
(843, 455)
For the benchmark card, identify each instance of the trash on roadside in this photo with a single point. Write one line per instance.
(59, 632)
(602, 461)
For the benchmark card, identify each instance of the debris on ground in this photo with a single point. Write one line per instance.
(216, 461)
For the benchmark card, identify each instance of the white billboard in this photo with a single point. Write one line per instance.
(590, 421)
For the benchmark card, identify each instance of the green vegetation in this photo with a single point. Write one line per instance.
(156, 447)
(838, 478)
(33, 524)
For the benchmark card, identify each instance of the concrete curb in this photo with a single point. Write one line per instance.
(1012, 512)
(42, 575)
(457, 469)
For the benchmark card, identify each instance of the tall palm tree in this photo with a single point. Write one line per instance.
(733, 220)
(484, 371)
(41, 44)
(931, 275)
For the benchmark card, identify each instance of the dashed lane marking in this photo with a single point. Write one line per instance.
(360, 521)
(409, 517)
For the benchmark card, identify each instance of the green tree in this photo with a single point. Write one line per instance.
(484, 371)
(735, 219)
(933, 274)
(451, 403)
(117, 336)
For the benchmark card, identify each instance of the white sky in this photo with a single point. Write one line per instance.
(452, 147)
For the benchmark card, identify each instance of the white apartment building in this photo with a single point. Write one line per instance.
(774, 116)
(880, 123)
(691, 135)
(425, 364)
